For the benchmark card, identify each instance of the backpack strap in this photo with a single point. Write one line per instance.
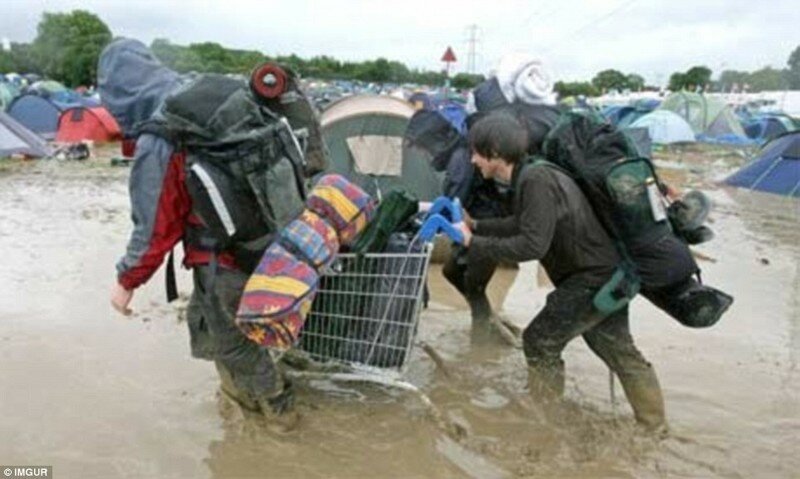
(171, 284)
(157, 128)
(539, 162)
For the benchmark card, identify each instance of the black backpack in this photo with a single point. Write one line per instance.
(244, 167)
(625, 193)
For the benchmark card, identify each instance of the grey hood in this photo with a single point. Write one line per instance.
(133, 83)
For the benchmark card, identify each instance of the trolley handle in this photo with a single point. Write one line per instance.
(442, 217)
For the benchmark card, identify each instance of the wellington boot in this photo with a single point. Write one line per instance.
(278, 410)
(283, 423)
(232, 392)
(645, 397)
(546, 385)
(483, 332)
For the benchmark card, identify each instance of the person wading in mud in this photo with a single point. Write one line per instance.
(553, 222)
(133, 85)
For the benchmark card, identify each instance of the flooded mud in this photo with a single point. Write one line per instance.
(98, 395)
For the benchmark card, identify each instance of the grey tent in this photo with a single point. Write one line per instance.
(15, 139)
(364, 134)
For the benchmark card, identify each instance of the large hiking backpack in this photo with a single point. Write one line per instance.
(624, 192)
(626, 195)
(614, 178)
(244, 169)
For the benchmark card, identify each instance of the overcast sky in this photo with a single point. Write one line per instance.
(576, 38)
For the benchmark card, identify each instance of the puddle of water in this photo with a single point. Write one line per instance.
(99, 395)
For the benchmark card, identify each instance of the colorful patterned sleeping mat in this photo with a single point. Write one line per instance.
(278, 295)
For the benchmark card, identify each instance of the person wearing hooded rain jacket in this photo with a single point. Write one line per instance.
(133, 85)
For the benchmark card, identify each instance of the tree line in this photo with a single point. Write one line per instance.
(213, 57)
(67, 46)
(695, 78)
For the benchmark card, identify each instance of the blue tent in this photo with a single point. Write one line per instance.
(766, 127)
(625, 116)
(665, 127)
(775, 170)
(37, 113)
(70, 98)
(615, 113)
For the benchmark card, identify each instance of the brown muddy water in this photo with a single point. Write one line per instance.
(98, 395)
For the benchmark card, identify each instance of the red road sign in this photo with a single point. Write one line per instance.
(449, 56)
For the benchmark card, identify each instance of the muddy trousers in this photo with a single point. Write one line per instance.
(214, 335)
(569, 313)
(471, 279)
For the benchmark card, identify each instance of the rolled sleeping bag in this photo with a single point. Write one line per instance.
(278, 295)
(524, 78)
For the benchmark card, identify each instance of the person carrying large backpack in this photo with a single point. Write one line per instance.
(553, 222)
(208, 158)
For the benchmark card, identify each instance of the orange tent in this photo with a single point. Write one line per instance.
(80, 123)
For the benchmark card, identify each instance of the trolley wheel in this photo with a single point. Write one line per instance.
(268, 81)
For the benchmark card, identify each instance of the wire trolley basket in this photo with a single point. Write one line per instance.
(364, 318)
(367, 310)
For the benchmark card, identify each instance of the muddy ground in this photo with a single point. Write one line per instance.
(98, 395)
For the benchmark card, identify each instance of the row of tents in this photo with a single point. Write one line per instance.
(365, 136)
(64, 122)
(48, 111)
(689, 117)
(351, 121)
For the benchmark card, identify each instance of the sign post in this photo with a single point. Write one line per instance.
(448, 58)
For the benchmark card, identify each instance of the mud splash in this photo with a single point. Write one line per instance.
(97, 395)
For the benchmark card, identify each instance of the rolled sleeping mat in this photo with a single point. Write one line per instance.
(276, 87)
(278, 295)
(268, 82)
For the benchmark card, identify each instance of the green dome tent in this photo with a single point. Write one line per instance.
(707, 116)
(364, 134)
(7, 93)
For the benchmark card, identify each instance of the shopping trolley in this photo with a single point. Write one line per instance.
(363, 322)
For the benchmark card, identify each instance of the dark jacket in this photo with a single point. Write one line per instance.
(552, 222)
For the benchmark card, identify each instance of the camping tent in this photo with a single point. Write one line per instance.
(15, 139)
(48, 86)
(665, 127)
(7, 94)
(67, 98)
(766, 127)
(365, 136)
(38, 114)
(776, 169)
(625, 116)
(707, 116)
(81, 123)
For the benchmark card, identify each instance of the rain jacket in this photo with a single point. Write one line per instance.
(133, 85)
(552, 222)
